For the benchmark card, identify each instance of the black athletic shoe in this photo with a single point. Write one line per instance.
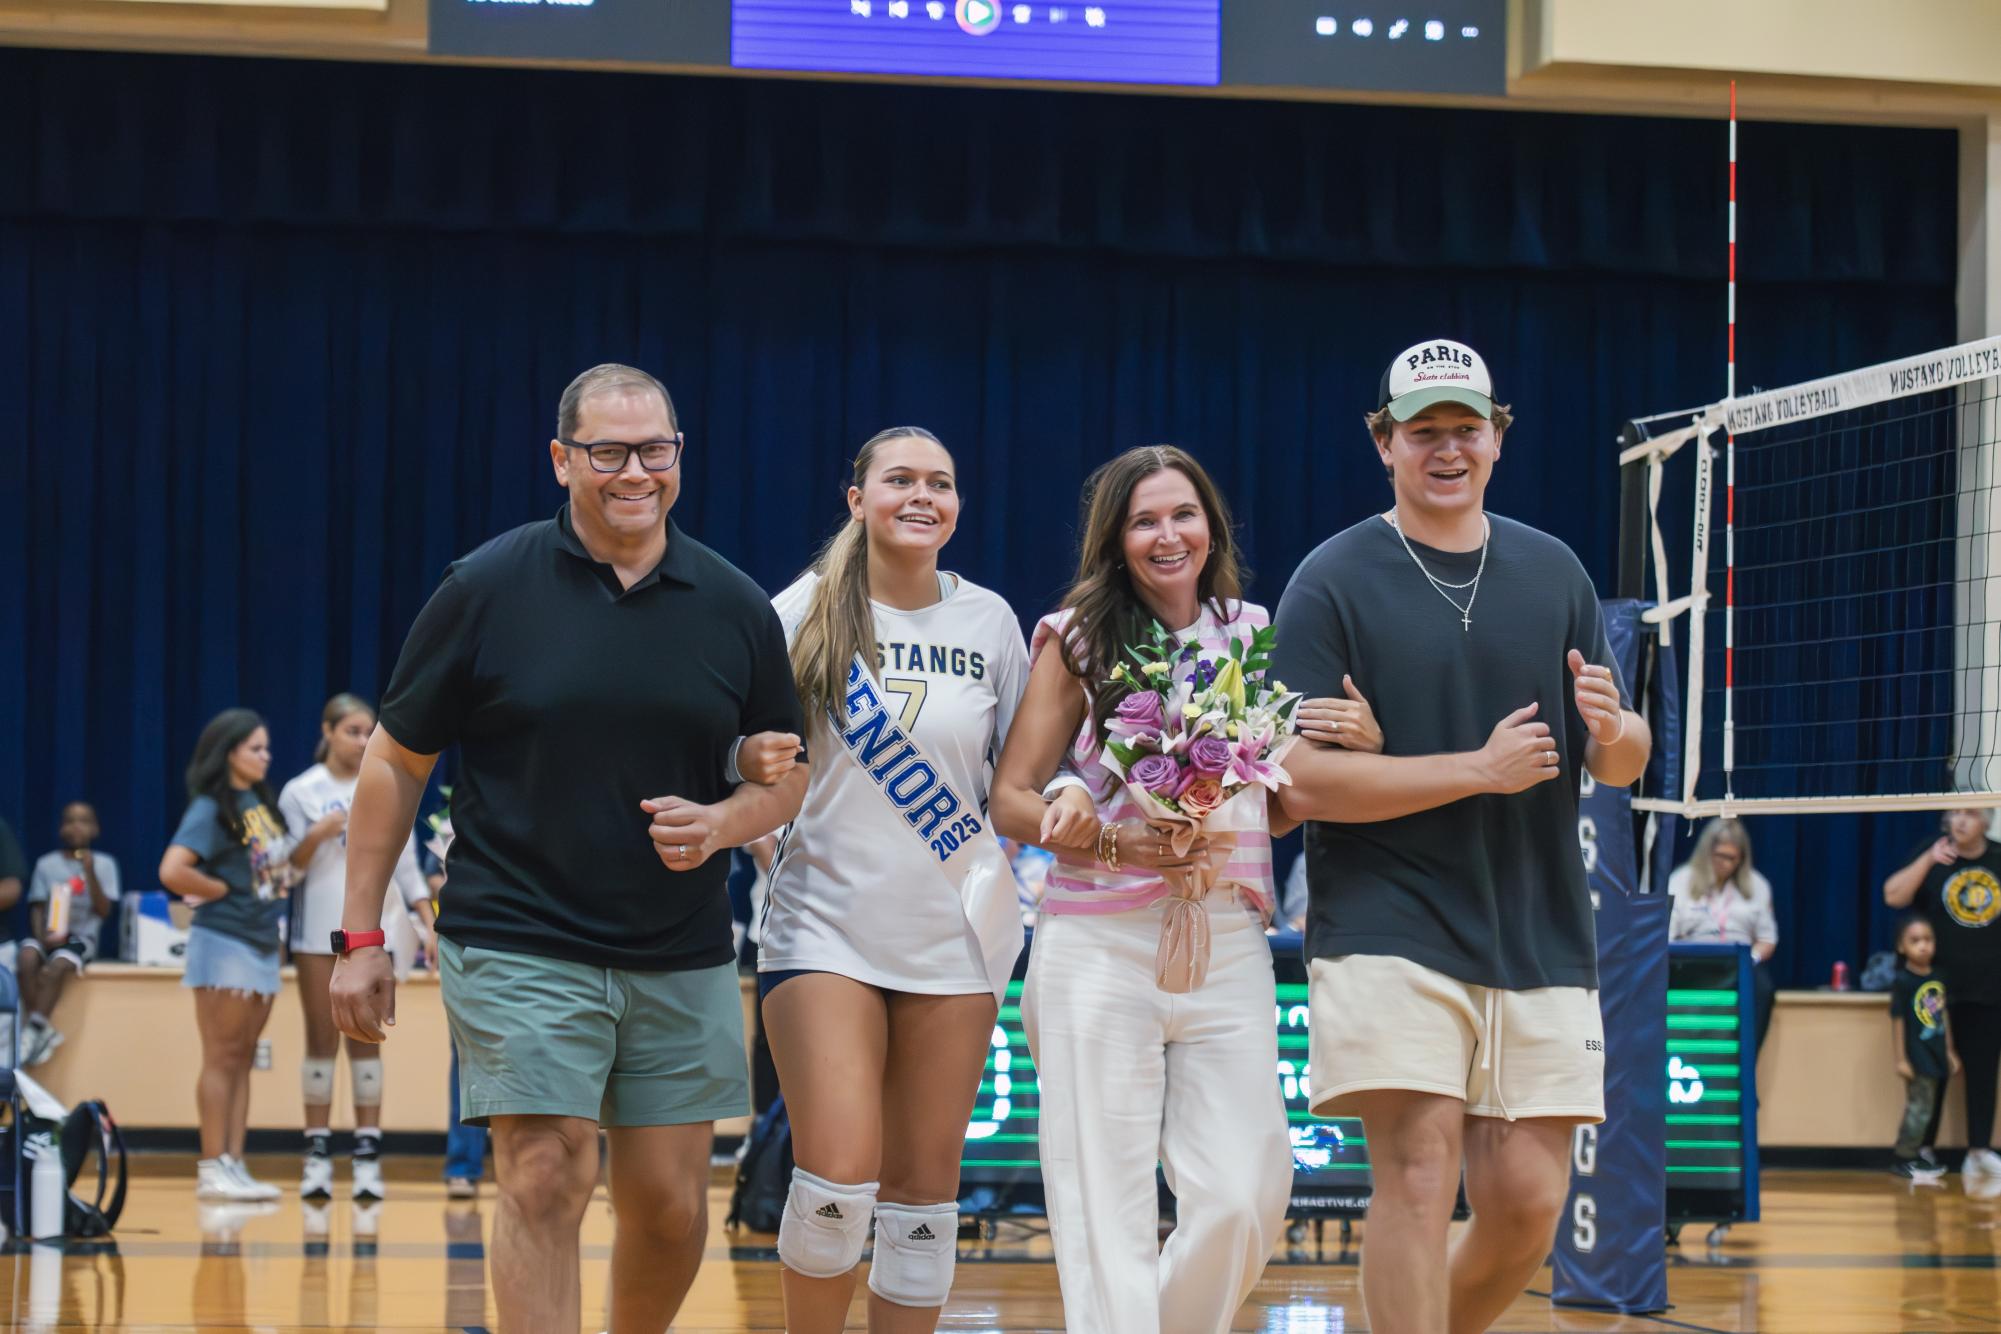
(1916, 1169)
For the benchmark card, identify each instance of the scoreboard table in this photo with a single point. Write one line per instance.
(1709, 1087)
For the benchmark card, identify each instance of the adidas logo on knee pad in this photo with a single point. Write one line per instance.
(915, 1253)
(825, 1227)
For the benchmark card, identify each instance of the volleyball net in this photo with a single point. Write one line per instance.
(1840, 599)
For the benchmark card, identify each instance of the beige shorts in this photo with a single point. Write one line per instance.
(1380, 1022)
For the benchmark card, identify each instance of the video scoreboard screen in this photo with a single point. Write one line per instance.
(1440, 46)
(1153, 41)
(1711, 1087)
(1002, 1169)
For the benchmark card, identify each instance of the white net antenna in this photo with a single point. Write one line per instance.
(1843, 588)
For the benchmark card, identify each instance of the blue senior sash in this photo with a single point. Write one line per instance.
(923, 804)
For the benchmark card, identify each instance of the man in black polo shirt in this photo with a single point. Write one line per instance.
(595, 670)
(1451, 947)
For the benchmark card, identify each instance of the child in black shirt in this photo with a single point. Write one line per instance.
(1921, 1040)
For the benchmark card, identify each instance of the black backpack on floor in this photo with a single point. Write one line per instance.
(764, 1173)
(90, 1127)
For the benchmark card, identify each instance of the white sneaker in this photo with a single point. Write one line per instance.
(1982, 1163)
(215, 1181)
(368, 1179)
(258, 1190)
(316, 1179)
(43, 1039)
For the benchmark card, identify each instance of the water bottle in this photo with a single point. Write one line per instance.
(47, 1192)
(1840, 980)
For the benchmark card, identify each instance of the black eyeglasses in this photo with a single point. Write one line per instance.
(611, 455)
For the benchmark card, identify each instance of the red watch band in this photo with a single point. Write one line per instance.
(346, 942)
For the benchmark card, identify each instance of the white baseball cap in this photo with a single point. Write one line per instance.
(1439, 371)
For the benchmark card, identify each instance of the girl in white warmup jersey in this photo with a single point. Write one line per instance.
(315, 806)
(891, 927)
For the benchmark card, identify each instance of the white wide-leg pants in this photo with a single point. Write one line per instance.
(1131, 1075)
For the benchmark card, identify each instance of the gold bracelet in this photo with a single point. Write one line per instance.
(1110, 834)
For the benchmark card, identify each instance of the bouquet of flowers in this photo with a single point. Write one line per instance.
(1198, 741)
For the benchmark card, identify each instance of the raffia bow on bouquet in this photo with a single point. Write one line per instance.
(1197, 740)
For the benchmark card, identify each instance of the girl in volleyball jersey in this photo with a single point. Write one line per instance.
(315, 806)
(1129, 1073)
(892, 927)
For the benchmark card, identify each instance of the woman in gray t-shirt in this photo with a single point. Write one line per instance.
(225, 856)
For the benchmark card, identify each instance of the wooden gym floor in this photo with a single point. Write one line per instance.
(1837, 1253)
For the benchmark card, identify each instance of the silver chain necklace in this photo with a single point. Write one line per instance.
(1465, 612)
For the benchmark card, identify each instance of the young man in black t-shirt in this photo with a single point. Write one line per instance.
(1956, 883)
(1921, 1037)
(1451, 948)
(595, 671)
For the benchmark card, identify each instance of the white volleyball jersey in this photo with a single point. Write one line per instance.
(317, 902)
(855, 890)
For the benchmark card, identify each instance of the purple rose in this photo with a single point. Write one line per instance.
(1158, 774)
(1140, 712)
(1209, 756)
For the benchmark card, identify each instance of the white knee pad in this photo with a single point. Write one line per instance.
(367, 1081)
(916, 1247)
(316, 1082)
(825, 1225)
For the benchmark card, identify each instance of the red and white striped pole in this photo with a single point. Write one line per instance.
(1730, 491)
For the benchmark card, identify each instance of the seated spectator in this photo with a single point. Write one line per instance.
(74, 889)
(1719, 898)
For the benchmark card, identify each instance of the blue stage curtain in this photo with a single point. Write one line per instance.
(278, 339)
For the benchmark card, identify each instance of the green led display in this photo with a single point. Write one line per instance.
(1706, 1056)
(1001, 1138)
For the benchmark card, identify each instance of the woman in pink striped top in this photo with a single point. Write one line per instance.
(1131, 1074)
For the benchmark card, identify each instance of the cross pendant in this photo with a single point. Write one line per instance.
(1466, 619)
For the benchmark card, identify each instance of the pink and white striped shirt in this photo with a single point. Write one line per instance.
(1078, 881)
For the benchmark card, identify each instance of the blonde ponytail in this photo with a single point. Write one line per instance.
(839, 622)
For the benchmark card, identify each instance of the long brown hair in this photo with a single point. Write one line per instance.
(1702, 880)
(839, 623)
(340, 706)
(1106, 611)
(208, 771)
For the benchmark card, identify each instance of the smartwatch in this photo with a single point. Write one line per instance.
(346, 942)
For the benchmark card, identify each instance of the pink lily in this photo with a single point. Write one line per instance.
(1247, 766)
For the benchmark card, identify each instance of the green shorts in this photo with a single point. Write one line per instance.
(545, 1037)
